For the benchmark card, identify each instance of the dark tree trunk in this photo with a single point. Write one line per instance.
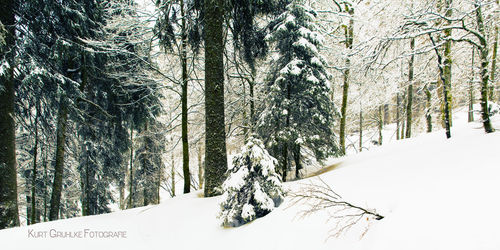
(447, 62)
(62, 121)
(9, 215)
(428, 111)
(287, 144)
(215, 134)
(297, 159)
(131, 169)
(200, 167)
(410, 90)
(145, 197)
(251, 86)
(284, 167)
(34, 174)
(45, 184)
(184, 99)
(122, 187)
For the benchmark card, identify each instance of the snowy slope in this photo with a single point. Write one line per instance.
(434, 194)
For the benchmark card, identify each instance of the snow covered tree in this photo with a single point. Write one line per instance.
(149, 170)
(298, 113)
(253, 188)
(123, 93)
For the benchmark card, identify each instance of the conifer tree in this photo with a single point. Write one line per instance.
(298, 113)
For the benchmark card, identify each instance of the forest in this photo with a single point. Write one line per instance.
(109, 105)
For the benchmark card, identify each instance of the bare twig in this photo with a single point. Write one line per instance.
(321, 197)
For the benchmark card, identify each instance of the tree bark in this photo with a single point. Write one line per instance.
(45, 184)
(387, 117)
(297, 159)
(200, 167)
(284, 167)
(410, 90)
(494, 66)
(448, 61)
(172, 174)
(483, 53)
(428, 112)
(349, 37)
(471, 91)
(62, 121)
(251, 86)
(9, 215)
(185, 145)
(360, 128)
(215, 134)
(34, 174)
(131, 169)
(445, 89)
(380, 125)
(398, 103)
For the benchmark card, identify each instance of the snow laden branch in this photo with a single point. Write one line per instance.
(319, 196)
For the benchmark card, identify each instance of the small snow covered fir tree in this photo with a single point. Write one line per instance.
(298, 114)
(252, 188)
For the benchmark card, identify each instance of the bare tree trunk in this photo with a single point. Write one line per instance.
(447, 61)
(398, 104)
(62, 121)
(386, 114)
(403, 120)
(445, 90)
(428, 111)
(297, 159)
(286, 146)
(172, 174)
(244, 116)
(471, 91)
(34, 174)
(251, 88)
(494, 67)
(185, 145)
(122, 188)
(380, 124)
(410, 90)
(284, 168)
(360, 127)
(45, 184)
(215, 135)
(483, 52)
(349, 36)
(200, 167)
(131, 169)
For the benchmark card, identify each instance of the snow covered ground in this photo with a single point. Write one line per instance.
(434, 194)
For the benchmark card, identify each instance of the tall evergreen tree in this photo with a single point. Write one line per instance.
(298, 113)
(122, 93)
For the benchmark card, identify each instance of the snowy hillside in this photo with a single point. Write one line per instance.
(434, 194)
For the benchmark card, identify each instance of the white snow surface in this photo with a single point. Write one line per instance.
(434, 193)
